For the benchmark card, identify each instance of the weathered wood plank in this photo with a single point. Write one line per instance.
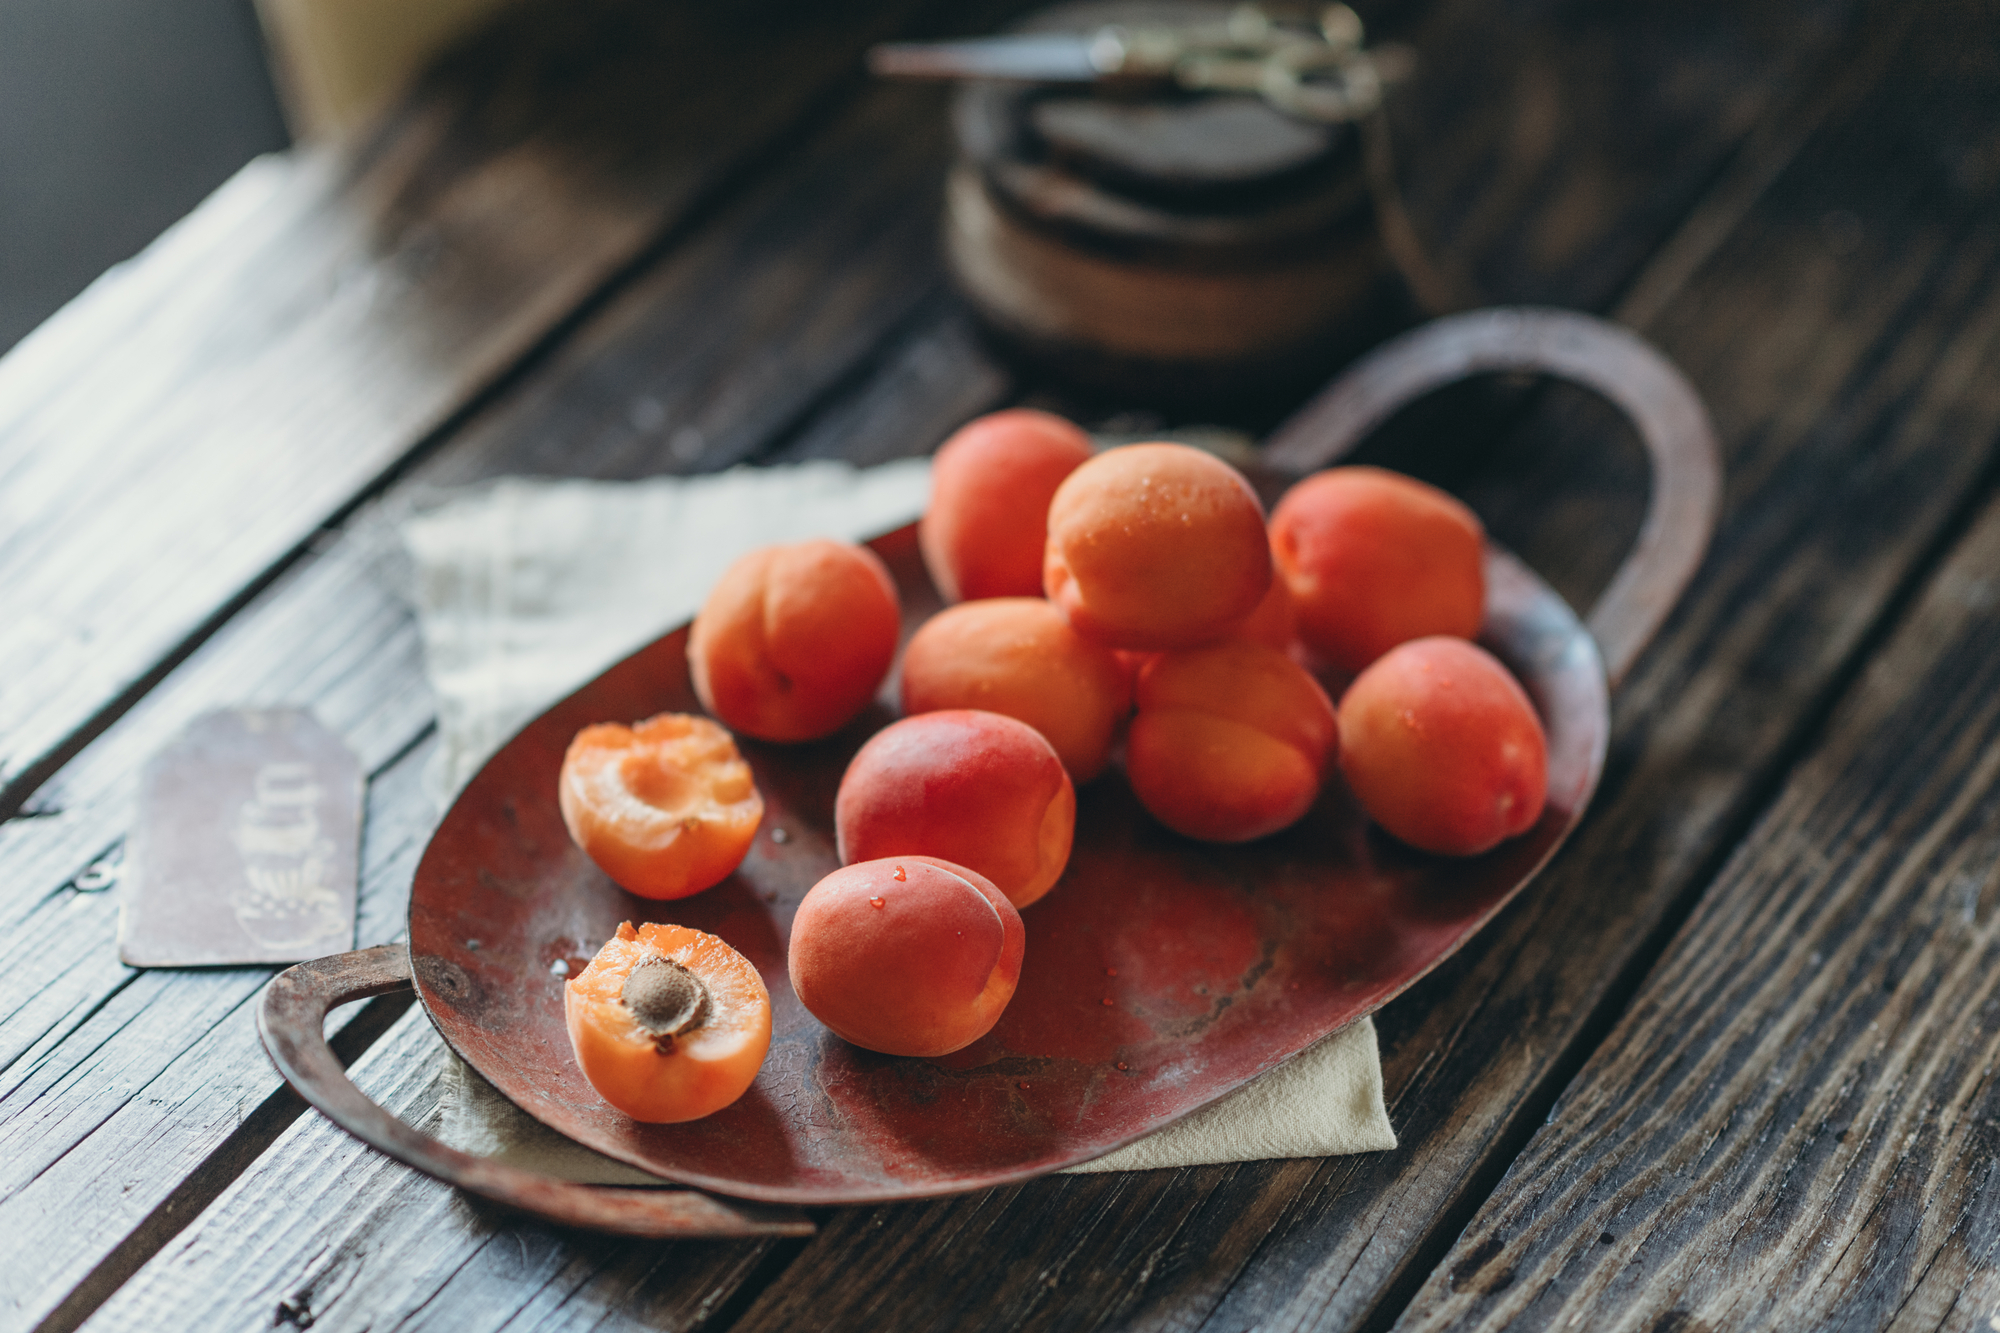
(119, 1128)
(1851, 448)
(330, 634)
(330, 1233)
(1178, 1255)
(711, 358)
(187, 422)
(1795, 1121)
(1528, 165)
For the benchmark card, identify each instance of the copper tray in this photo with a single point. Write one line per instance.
(1160, 974)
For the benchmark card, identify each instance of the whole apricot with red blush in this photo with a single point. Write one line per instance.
(991, 484)
(1156, 546)
(666, 807)
(973, 788)
(1230, 742)
(793, 641)
(908, 955)
(668, 1023)
(1018, 656)
(1442, 747)
(1373, 559)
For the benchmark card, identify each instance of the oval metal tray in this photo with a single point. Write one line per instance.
(1160, 974)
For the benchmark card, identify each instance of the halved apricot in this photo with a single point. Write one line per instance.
(666, 807)
(668, 1023)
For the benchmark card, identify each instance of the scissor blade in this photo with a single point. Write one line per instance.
(1039, 58)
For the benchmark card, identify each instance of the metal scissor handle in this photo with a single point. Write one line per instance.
(1316, 71)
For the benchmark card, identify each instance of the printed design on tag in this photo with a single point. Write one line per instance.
(287, 898)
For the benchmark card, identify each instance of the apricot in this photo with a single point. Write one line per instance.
(1156, 546)
(666, 807)
(1272, 622)
(972, 788)
(1230, 742)
(1373, 559)
(906, 955)
(991, 484)
(1018, 656)
(668, 1023)
(794, 640)
(1442, 747)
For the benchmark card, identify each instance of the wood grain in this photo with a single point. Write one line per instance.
(1525, 161)
(1876, 381)
(1795, 1121)
(328, 1232)
(332, 634)
(126, 1120)
(1271, 1240)
(179, 429)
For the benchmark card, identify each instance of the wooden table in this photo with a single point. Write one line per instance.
(1728, 1063)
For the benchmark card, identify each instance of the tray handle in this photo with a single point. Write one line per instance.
(291, 1019)
(1603, 357)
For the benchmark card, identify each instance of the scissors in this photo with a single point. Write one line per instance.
(1311, 70)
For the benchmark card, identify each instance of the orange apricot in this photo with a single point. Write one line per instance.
(1272, 622)
(794, 640)
(991, 484)
(973, 788)
(1230, 742)
(1019, 656)
(666, 807)
(1156, 546)
(668, 1023)
(1442, 747)
(906, 955)
(1373, 559)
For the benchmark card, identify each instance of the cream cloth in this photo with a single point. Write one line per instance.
(525, 589)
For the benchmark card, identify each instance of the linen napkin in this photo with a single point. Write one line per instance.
(525, 589)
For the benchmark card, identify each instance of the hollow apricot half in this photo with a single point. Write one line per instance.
(666, 807)
(668, 1023)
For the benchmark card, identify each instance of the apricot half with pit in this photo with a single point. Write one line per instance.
(668, 1023)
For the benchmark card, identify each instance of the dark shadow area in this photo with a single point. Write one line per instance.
(116, 118)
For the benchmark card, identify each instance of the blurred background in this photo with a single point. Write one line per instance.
(119, 116)
(116, 117)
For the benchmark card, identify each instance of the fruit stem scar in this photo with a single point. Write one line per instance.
(664, 998)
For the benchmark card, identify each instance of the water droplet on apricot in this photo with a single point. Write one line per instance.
(877, 902)
(900, 874)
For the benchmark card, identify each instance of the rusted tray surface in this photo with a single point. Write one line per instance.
(1160, 974)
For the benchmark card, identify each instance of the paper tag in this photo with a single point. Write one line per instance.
(247, 845)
